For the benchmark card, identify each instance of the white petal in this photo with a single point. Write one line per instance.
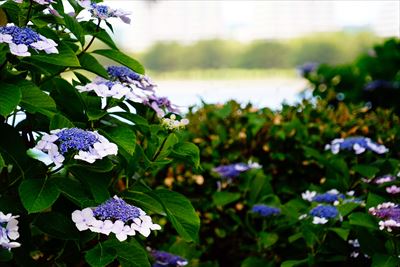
(19, 50)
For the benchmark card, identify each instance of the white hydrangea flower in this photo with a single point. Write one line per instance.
(308, 195)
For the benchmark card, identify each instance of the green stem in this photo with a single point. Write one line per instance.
(29, 12)
(55, 171)
(92, 40)
(160, 148)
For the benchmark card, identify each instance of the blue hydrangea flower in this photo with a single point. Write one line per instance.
(323, 213)
(389, 213)
(84, 145)
(358, 144)
(234, 170)
(20, 39)
(265, 210)
(126, 75)
(114, 216)
(104, 12)
(308, 67)
(8, 231)
(165, 259)
(328, 197)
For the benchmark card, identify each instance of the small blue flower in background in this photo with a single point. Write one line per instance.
(328, 197)
(126, 75)
(381, 84)
(358, 144)
(323, 213)
(85, 145)
(114, 216)
(265, 210)
(104, 12)
(20, 39)
(165, 259)
(234, 170)
(8, 231)
(308, 67)
(389, 213)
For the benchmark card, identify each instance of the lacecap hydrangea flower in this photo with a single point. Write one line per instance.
(104, 12)
(21, 39)
(106, 88)
(126, 75)
(172, 123)
(357, 144)
(265, 211)
(114, 216)
(8, 231)
(388, 178)
(322, 213)
(161, 105)
(234, 170)
(389, 213)
(83, 145)
(328, 197)
(165, 259)
(40, 2)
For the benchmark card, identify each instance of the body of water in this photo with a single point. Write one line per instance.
(261, 93)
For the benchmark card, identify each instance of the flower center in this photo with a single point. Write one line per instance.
(116, 209)
(76, 139)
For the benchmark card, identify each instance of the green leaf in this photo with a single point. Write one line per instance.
(256, 262)
(2, 163)
(38, 194)
(35, 100)
(10, 96)
(59, 121)
(380, 260)
(121, 58)
(90, 63)
(366, 170)
(101, 34)
(342, 233)
(74, 191)
(100, 255)
(57, 225)
(268, 239)
(346, 208)
(5, 255)
(260, 186)
(374, 200)
(65, 57)
(181, 213)
(129, 254)
(293, 263)
(223, 198)
(144, 201)
(124, 137)
(362, 219)
(74, 26)
(187, 152)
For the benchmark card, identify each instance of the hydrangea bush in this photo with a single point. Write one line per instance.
(81, 144)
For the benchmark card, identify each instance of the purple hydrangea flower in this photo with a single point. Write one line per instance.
(265, 210)
(114, 216)
(8, 231)
(40, 2)
(104, 12)
(234, 170)
(387, 178)
(20, 39)
(161, 105)
(165, 259)
(85, 145)
(389, 213)
(358, 144)
(126, 75)
(116, 209)
(106, 88)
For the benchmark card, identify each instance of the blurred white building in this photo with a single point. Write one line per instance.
(246, 20)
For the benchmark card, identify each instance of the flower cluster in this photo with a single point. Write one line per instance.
(389, 213)
(114, 216)
(84, 145)
(355, 244)
(103, 12)
(20, 39)
(233, 170)
(322, 213)
(161, 105)
(126, 75)
(106, 88)
(358, 144)
(332, 196)
(8, 231)
(385, 179)
(40, 2)
(265, 211)
(165, 259)
(329, 197)
(172, 123)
